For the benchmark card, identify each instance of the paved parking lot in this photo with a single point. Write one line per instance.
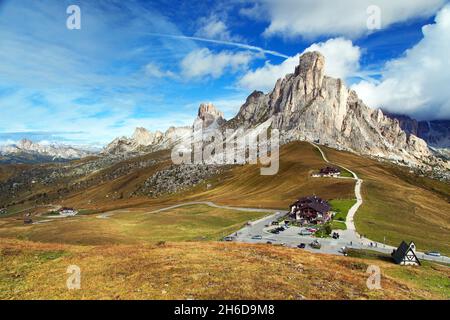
(291, 238)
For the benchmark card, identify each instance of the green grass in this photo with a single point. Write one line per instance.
(188, 223)
(52, 213)
(421, 277)
(338, 225)
(341, 207)
(87, 212)
(345, 173)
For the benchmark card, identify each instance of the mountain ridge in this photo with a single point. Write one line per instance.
(27, 151)
(304, 105)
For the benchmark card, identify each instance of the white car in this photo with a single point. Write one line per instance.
(433, 253)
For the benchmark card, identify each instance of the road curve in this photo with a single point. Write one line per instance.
(212, 204)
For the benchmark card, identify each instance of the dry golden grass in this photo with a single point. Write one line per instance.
(398, 205)
(206, 270)
(195, 222)
(239, 186)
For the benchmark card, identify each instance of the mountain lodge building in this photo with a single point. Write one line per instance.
(328, 172)
(310, 209)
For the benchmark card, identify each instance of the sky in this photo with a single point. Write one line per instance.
(151, 63)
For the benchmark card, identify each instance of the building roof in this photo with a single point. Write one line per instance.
(399, 254)
(314, 203)
(328, 170)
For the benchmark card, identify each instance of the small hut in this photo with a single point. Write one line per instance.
(405, 254)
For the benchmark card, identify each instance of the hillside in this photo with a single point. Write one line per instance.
(399, 205)
(193, 270)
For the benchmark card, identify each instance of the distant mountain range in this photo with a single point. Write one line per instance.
(27, 151)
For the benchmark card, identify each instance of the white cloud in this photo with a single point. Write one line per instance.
(203, 63)
(264, 78)
(341, 61)
(290, 18)
(416, 83)
(154, 71)
(214, 28)
(341, 57)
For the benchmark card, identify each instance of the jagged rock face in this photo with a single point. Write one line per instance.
(145, 140)
(209, 116)
(142, 136)
(309, 105)
(436, 133)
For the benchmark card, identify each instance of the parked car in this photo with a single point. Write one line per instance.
(311, 229)
(315, 244)
(275, 223)
(433, 253)
(305, 232)
(228, 238)
(269, 242)
(257, 237)
(301, 246)
(335, 235)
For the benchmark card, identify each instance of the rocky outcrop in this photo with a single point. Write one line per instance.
(144, 140)
(209, 116)
(308, 105)
(177, 178)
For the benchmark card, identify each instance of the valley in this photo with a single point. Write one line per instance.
(110, 228)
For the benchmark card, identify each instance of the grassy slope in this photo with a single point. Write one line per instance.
(239, 186)
(196, 222)
(245, 186)
(399, 206)
(206, 270)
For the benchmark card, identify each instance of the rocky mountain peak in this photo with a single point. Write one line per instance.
(311, 64)
(209, 108)
(308, 105)
(144, 137)
(208, 115)
(25, 144)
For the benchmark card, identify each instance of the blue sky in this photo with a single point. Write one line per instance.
(151, 63)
